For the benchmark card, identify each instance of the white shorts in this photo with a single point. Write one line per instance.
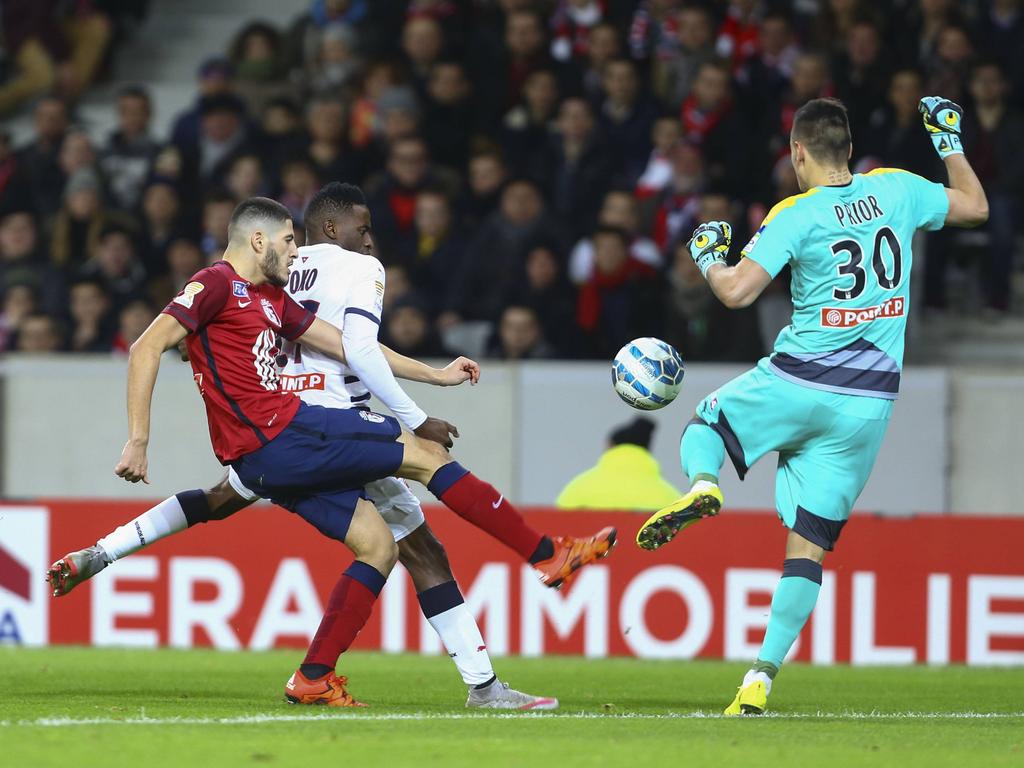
(398, 505)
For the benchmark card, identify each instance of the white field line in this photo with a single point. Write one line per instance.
(64, 722)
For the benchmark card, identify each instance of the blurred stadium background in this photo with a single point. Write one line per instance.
(532, 168)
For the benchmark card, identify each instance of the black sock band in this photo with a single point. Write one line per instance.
(439, 599)
(544, 551)
(803, 568)
(195, 506)
(313, 671)
(487, 684)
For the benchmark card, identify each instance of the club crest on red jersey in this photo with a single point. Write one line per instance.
(270, 312)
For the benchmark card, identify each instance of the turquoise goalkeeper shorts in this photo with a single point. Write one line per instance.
(827, 444)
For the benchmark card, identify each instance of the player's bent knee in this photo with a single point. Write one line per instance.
(421, 458)
(797, 547)
(370, 538)
(379, 551)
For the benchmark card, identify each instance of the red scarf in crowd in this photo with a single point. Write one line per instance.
(588, 309)
(697, 123)
(403, 208)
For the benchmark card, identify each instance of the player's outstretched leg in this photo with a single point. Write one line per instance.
(350, 603)
(792, 604)
(702, 453)
(556, 559)
(170, 516)
(445, 609)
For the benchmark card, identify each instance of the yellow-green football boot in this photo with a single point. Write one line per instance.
(752, 695)
(703, 500)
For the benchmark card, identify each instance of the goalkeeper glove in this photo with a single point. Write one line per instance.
(709, 244)
(942, 119)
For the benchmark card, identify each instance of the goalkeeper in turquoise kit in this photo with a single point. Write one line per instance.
(823, 398)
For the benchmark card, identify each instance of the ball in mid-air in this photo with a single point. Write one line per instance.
(647, 373)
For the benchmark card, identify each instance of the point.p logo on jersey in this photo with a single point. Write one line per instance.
(24, 550)
(848, 317)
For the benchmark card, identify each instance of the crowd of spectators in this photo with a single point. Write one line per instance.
(533, 168)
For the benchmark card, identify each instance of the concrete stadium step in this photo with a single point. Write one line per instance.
(164, 53)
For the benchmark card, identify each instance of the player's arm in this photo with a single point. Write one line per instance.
(377, 370)
(737, 286)
(460, 370)
(324, 338)
(143, 365)
(968, 205)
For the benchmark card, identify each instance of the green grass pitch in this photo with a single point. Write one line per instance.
(79, 706)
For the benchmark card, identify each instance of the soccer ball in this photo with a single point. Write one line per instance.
(647, 373)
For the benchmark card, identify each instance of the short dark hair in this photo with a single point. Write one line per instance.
(823, 127)
(134, 92)
(90, 280)
(612, 231)
(116, 228)
(254, 210)
(219, 195)
(332, 200)
(987, 62)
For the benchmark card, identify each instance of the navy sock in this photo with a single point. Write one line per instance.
(195, 506)
(545, 550)
(440, 598)
(313, 671)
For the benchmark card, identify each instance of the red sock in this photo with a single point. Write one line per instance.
(348, 609)
(480, 504)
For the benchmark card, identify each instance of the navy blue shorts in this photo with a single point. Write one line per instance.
(317, 466)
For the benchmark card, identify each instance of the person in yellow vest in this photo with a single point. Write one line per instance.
(626, 476)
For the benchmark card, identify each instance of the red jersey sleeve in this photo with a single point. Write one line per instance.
(200, 300)
(295, 319)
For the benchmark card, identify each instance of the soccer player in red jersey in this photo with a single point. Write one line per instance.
(310, 459)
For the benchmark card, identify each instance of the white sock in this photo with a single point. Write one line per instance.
(465, 645)
(753, 677)
(703, 485)
(165, 518)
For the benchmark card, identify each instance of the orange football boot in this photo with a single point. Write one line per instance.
(571, 554)
(328, 690)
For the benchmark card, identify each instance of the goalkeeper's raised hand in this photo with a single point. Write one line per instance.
(709, 244)
(942, 120)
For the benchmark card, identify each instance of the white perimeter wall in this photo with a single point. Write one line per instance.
(952, 445)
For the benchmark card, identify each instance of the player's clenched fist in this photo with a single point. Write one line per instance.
(709, 244)
(942, 119)
(134, 465)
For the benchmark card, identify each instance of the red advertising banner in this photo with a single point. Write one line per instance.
(926, 589)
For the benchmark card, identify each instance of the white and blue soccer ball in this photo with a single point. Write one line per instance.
(648, 373)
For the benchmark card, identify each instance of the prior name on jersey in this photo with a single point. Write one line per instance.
(849, 249)
(336, 284)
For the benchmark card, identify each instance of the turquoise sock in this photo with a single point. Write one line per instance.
(701, 451)
(792, 604)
